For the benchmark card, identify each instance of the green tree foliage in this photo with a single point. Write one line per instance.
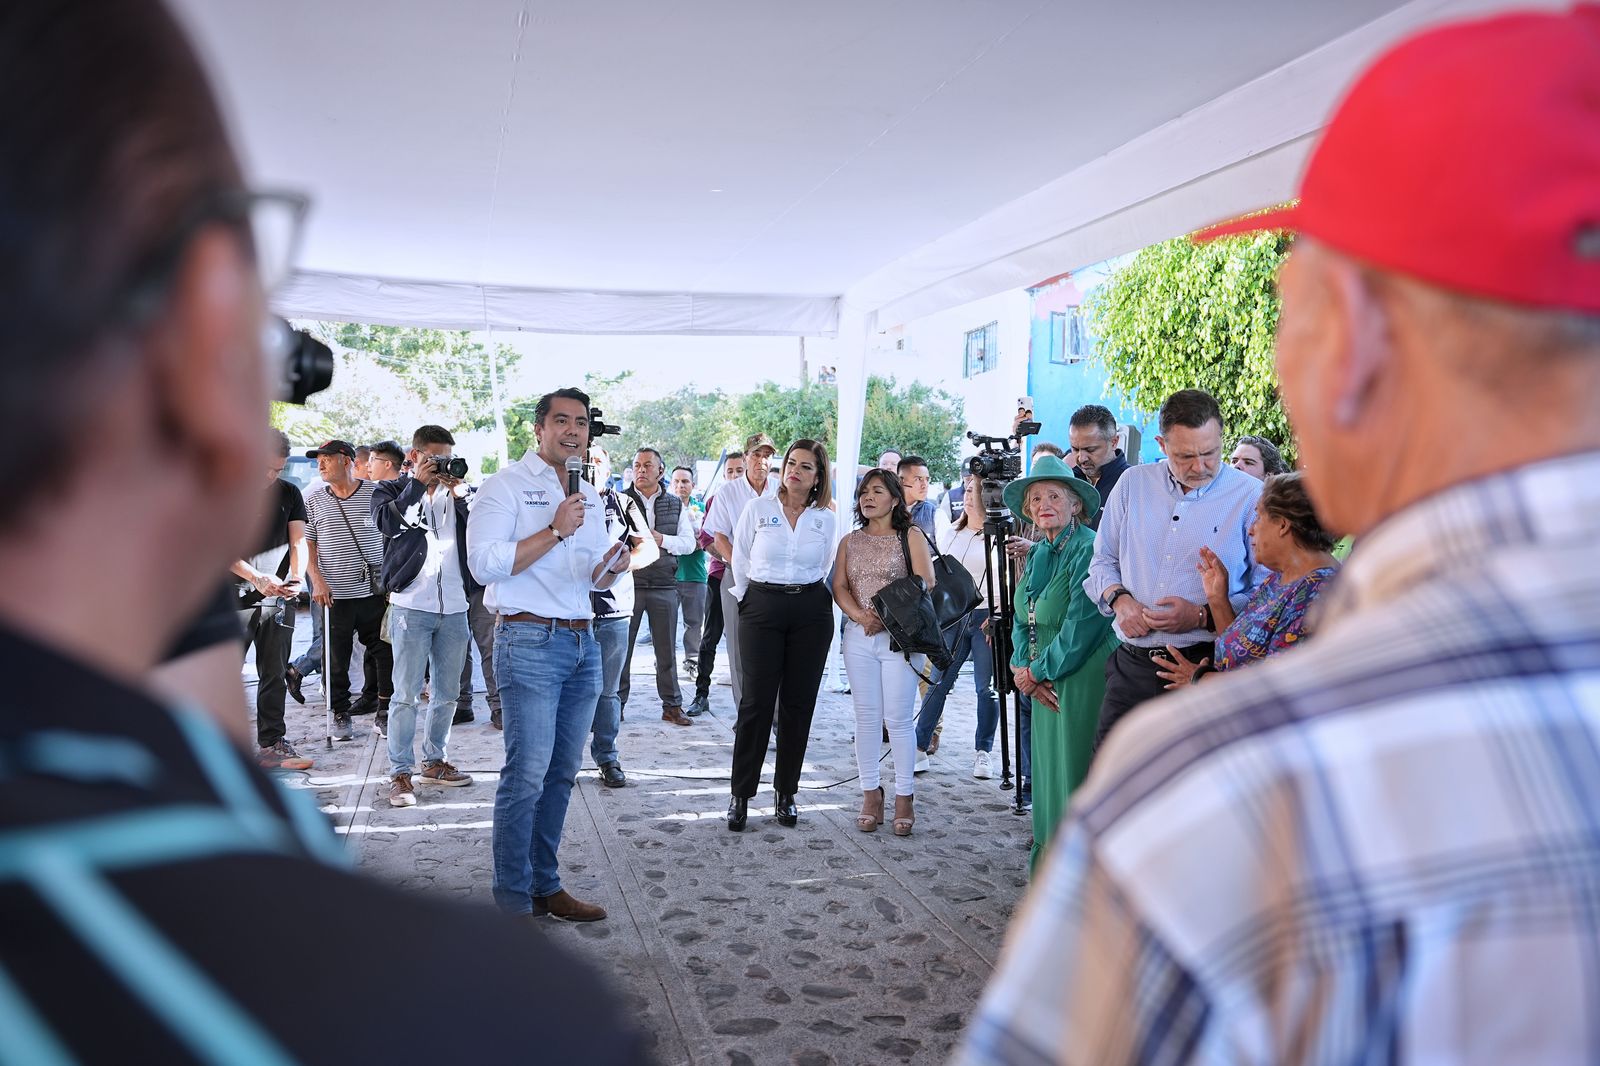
(787, 413)
(683, 426)
(919, 420)
(1183, 315)
(914, 420)
(447, 370)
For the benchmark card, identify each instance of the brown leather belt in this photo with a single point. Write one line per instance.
(559, 623)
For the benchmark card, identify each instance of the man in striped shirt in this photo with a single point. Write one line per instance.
(346, 565)
(1383, 845)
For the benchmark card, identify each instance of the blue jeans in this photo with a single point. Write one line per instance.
(1025, 728)
(311, 662)
(549, 679)
(436, 644)
(968, 644)
(612, 635)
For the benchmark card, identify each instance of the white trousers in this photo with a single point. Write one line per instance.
(884, 688)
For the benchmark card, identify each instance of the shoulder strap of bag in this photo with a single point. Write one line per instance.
(353, 539)
(905, 549)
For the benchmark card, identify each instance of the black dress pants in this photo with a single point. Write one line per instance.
(783, 648)
(270, 627)
(363, 616)
(1131, 679)
(707, 659)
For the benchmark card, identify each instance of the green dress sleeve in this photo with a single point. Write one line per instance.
(1084, 628)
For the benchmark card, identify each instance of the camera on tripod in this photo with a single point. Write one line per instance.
(598, 427)
(998, 462)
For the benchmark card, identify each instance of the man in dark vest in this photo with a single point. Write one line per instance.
(655, 587)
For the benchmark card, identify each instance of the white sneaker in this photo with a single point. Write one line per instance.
(981, 769)
(922, 762)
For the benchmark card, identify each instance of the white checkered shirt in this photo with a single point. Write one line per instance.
(1381, 846)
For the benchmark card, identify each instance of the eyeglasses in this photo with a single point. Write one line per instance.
(274, 221)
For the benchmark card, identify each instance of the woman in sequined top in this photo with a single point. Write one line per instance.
(883, 683)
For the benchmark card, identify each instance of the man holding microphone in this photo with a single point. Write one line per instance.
(537, 539)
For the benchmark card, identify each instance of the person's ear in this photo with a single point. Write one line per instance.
(1362, 340)
(206, 355)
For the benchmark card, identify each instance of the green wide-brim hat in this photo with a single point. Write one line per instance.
(1049, 468)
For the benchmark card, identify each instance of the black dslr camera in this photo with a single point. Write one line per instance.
(307, 363)
(450, 466)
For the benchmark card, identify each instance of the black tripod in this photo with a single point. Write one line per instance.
(997, 530)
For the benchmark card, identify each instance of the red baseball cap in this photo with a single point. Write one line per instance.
(1467, 156)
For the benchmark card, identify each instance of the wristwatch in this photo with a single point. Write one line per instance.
(557, 532)
(1111, 600)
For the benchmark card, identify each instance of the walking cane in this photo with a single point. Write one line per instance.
(327, 672)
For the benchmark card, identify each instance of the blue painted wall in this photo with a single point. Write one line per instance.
(1058, 389)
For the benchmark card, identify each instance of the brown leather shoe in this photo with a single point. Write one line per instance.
(676, 716)
(567, 908)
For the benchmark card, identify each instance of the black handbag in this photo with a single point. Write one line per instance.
(954, 593)
(906, 610)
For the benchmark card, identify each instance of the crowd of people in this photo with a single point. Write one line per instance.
(1284, 809)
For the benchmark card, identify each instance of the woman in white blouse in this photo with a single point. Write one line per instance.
(883, 681)
(782, 548)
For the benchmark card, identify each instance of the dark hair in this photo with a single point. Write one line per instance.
(821, 494)
(899, 514)
(732, 455)
(431, 434)
(362, 449)
(1049, 449)
(1284, 496)
(390, 450)
(1190, 408)
(640, 451)
(911, 460)
(685, 469)
(112, 156)
(1092, 414)
(541, 410)
(1272, 461)
(280, 440)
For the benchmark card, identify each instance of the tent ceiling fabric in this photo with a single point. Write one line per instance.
(738, 165)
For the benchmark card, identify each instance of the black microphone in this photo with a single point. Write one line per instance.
(574, 474)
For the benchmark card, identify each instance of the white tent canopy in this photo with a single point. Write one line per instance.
(751, 167)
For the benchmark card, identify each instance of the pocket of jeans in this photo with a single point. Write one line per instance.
(518, 635)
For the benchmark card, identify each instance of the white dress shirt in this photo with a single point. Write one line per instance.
(515, 504)
(766, 549)
(681, 542)
(728, 504)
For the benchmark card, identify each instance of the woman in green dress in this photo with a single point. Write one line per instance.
(1060, 640)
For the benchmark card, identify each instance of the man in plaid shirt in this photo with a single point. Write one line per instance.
(1384, 845)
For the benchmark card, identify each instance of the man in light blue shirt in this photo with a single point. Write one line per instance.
(1144, 573)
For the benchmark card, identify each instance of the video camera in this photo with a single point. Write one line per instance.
(998, 462)
(598, 427)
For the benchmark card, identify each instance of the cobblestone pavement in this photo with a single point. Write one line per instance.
(813, 945)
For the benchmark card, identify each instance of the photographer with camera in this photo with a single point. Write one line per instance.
(346, 577)
(424, 524)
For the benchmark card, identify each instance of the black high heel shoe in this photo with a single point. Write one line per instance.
(788, 814)
(738, 813)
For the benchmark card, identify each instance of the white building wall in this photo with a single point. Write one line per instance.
(932, 350)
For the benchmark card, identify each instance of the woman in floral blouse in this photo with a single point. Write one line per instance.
(1287, 540)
